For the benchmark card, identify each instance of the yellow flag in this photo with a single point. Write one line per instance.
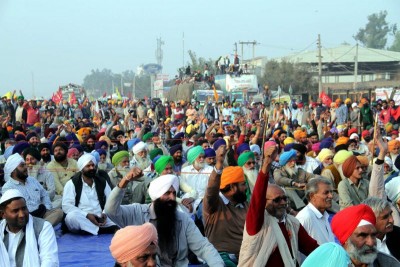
(215, 94)
(118, 94)
(8, 95)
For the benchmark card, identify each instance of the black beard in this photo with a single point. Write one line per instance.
(21, 175)
(60, 158)
(239, 197)
(90, 173)
(178, 159)
(46, 158)
(166, 222)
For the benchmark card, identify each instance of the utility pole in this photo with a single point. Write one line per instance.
(183, 51)
(319, 66)
(235, 44)
(254, 43)
(159, 52)
(355, 69)
(33, 85)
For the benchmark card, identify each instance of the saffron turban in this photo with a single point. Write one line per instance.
(147, 137)
(83, 130)
(72, 151)
(218, 143)
(255, 149)
(324, 153)
(119, 156)
(346, 221)
(139, 147)
(276, 133)
(175, 148)
(231, 175)
(10, 194)
(12, 163)
(341, 156)
(297, 134)
(342, 140)
(162, 184)
(242, 148)
(131, 241)
(349, 165)
(392, 144)
(363, 160)
(288, 140)
(155, 152)
(84, 160)
(286, 156)
(244, 157)
(209, 153)
(162, 163)
(392, 189)
(328, 255)
(193, 153)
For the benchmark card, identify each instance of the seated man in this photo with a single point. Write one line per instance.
(84, 199)
(38, 201)
(177, 233)
(24, 238)
(120, 160)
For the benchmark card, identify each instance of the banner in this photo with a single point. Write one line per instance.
(57, 97)
(158, 85)
(326, 100)
(241, 82)
(384, 93)
(72, 98)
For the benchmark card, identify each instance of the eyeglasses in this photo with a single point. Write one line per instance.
(250, 163)
(279, 199)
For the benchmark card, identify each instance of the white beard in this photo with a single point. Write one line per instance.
(291, 171)
(142, 163)
(122, 170)
(199, 165)
(251, 176)
(102, 166)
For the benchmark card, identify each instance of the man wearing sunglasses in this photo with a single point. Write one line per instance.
(271, 237)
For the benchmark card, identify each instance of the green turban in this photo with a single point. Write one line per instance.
(119, 156)
(147, 137)
(162, 162)
(155, 152)
(244, 157)
(20, 97)
(194, 153)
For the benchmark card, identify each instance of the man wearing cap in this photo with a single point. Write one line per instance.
(38, 201)
(84, 198)
(140, 158)
(61, 167)
(355, 228)
(196, 176)
(120, 160)
(135, 246)
(271, 237)
(177, 233)
(24, 240)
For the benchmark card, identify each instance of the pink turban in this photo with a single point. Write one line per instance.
(71, 151)
(269, 143)
(131, 241)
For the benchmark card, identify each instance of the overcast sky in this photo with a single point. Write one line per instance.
(61, 41)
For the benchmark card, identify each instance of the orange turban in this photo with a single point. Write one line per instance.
(275, 135)
(393, 144)
(363, 101)
(83, 130)
(342, 140)
(131, 241)
(231, 175)
(363, 160)
(298, 134)
(338, 101)
(349, 165)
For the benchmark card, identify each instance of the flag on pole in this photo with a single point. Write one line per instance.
(72, 98)
(97, 108)
(8, 95)
(118, 94)
(215, 94)
(326, 100)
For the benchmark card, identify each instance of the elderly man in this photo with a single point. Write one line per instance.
(140, 158)
(135, 246)
(355, 228)
(313, 217)
(121, 162)
(196, 176)
(247, 161)
(289, 175)
(61, 167)
(84, 199)
(24, 240)
(271, 237)
(177, 233)
(38, 201)
(387, 233)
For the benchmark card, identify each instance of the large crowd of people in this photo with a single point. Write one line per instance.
(224, 184)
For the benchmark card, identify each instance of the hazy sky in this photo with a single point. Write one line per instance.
(60, 41)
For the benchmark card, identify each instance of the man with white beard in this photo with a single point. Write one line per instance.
(246, 160)
(140, 158)
(121, 162)
(40, 173)
(355, 229)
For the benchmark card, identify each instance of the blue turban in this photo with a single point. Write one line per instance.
(21, 146)
(209, 153)
(175, 148)
(132, 143)
(326, 143)
(101, 151)
(288, 147)
(218, 143)
(8, 152)
(328, 255)
(194, 152)
(286, 156)
(179, 135)
(242, 148)
(96, 155)
(155, 159)
(99, 144)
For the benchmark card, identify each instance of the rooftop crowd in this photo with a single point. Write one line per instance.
(224, 184)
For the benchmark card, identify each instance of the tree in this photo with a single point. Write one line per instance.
(374, 34)
(200, 63)
(286, 74)
(396, 43)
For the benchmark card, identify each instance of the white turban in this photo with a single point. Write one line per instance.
(12, 163)
(353, 136)
(162, 184)
(139, 147)
(392, 189)
(255, 149)
(9, 194)
(389, 162)
(85, 159)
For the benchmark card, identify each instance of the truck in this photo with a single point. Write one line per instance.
(203, 95)
(242, 88)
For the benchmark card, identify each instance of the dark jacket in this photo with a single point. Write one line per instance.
(392, 242)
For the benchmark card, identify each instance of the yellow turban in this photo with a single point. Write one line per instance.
(231, 175)
(347, 101)
(392, 144)
(288, 140)
(363, 160)
(388, 127)
(131, 241)
(341, 156)
(324, 153)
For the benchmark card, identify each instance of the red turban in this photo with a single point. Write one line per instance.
(365, 133)
(346, 221)
(349, 165)
(231, 175)
(351, 131)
